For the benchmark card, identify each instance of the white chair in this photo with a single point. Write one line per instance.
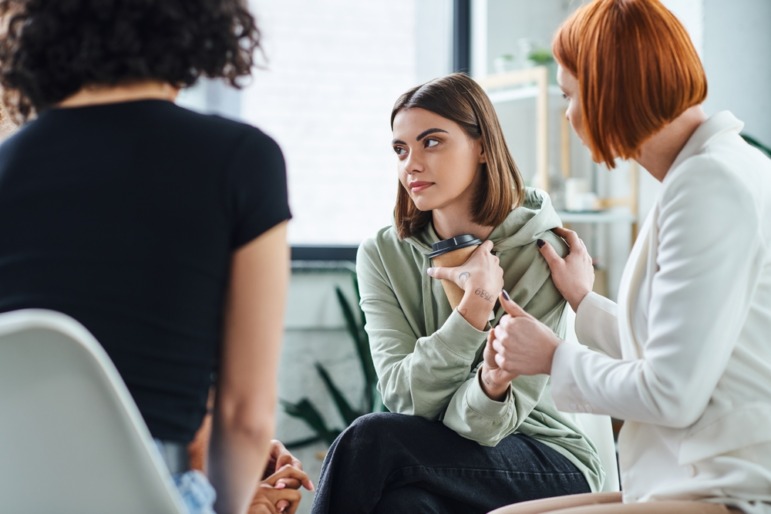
(71, 437)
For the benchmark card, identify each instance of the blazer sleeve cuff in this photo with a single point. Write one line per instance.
(596, 324)
(564, 388)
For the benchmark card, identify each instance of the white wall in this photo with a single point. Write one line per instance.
(737, 58)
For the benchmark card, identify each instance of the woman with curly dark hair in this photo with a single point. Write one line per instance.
(161, 230)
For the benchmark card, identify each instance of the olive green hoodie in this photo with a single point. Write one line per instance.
(427, 355)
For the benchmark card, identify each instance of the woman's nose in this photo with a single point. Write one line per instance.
(413, 163)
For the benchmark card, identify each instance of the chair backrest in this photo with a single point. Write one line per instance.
(71, 437)
(597, 428)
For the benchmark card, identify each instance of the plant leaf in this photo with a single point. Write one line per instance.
(757, 144)
(361, 340)
(301, 443)
(361, 344)
(305, 411)
(348, 413)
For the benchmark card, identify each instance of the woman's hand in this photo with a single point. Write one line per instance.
(573, 275)
(279, 491)
(481, 278)
(493, 379)
(522, 344)
(271, 500)
(278, 458)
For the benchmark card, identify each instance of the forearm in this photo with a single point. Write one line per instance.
(422, 381)
(244, 408)
(597, 325)
(238, 452)
(476, 306)
(473, 415)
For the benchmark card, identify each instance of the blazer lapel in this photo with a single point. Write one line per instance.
(632, 284)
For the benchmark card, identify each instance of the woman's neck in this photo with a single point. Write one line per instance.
(448, 223)
(659, 152)
(99, 94)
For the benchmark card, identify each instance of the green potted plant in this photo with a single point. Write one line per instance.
(370, 401)
(504, 63)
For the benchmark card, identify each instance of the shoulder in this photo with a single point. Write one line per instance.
(709, 202)
(386, 252)
(384, 243)
(219, 131)
(710, 180)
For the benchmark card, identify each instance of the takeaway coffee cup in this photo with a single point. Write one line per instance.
(449, 253)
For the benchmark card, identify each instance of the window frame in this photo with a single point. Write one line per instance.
(461, 62)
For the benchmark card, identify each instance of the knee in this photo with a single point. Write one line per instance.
(380, 430)
(368, 429)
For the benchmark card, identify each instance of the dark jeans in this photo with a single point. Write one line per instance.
(393, 464)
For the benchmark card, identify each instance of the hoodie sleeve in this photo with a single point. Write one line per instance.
(471, 413)
(416, 375)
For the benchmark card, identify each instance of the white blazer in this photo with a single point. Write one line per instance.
(686, 353)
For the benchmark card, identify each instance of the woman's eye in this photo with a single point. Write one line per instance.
(398, 150)
(431, 143)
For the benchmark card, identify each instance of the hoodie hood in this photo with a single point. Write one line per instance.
(523, 226)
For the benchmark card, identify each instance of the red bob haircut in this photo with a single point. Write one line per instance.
(637, 70)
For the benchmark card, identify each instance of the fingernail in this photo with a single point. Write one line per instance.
(430, 272)
(506, 294)
(540, 243)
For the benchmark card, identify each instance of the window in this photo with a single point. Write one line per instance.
(334, 70)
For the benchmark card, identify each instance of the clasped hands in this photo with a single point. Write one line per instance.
(278, 492)
(518, 345)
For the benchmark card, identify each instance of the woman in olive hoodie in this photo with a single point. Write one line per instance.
(462, 435)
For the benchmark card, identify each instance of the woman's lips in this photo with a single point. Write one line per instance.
(416, 186)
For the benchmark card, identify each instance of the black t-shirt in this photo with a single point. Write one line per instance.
(125, 216)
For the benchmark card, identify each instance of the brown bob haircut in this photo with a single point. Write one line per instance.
(458, 98)
(636, 68)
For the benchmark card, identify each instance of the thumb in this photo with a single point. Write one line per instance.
(549, 254)
(511, 307)
(441, 273)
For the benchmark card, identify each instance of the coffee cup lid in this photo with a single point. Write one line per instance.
(453, 243)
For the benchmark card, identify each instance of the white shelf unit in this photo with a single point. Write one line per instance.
(520, 93)
(526, 83)
(617, 215)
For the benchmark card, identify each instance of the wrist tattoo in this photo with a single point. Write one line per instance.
(484, 294)
(463, 277)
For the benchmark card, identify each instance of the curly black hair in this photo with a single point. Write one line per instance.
(53, 48)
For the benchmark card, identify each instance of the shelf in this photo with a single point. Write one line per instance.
(607, 216)
(520, 93)
(526, 83)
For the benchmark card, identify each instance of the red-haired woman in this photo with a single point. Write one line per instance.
(684, 357)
